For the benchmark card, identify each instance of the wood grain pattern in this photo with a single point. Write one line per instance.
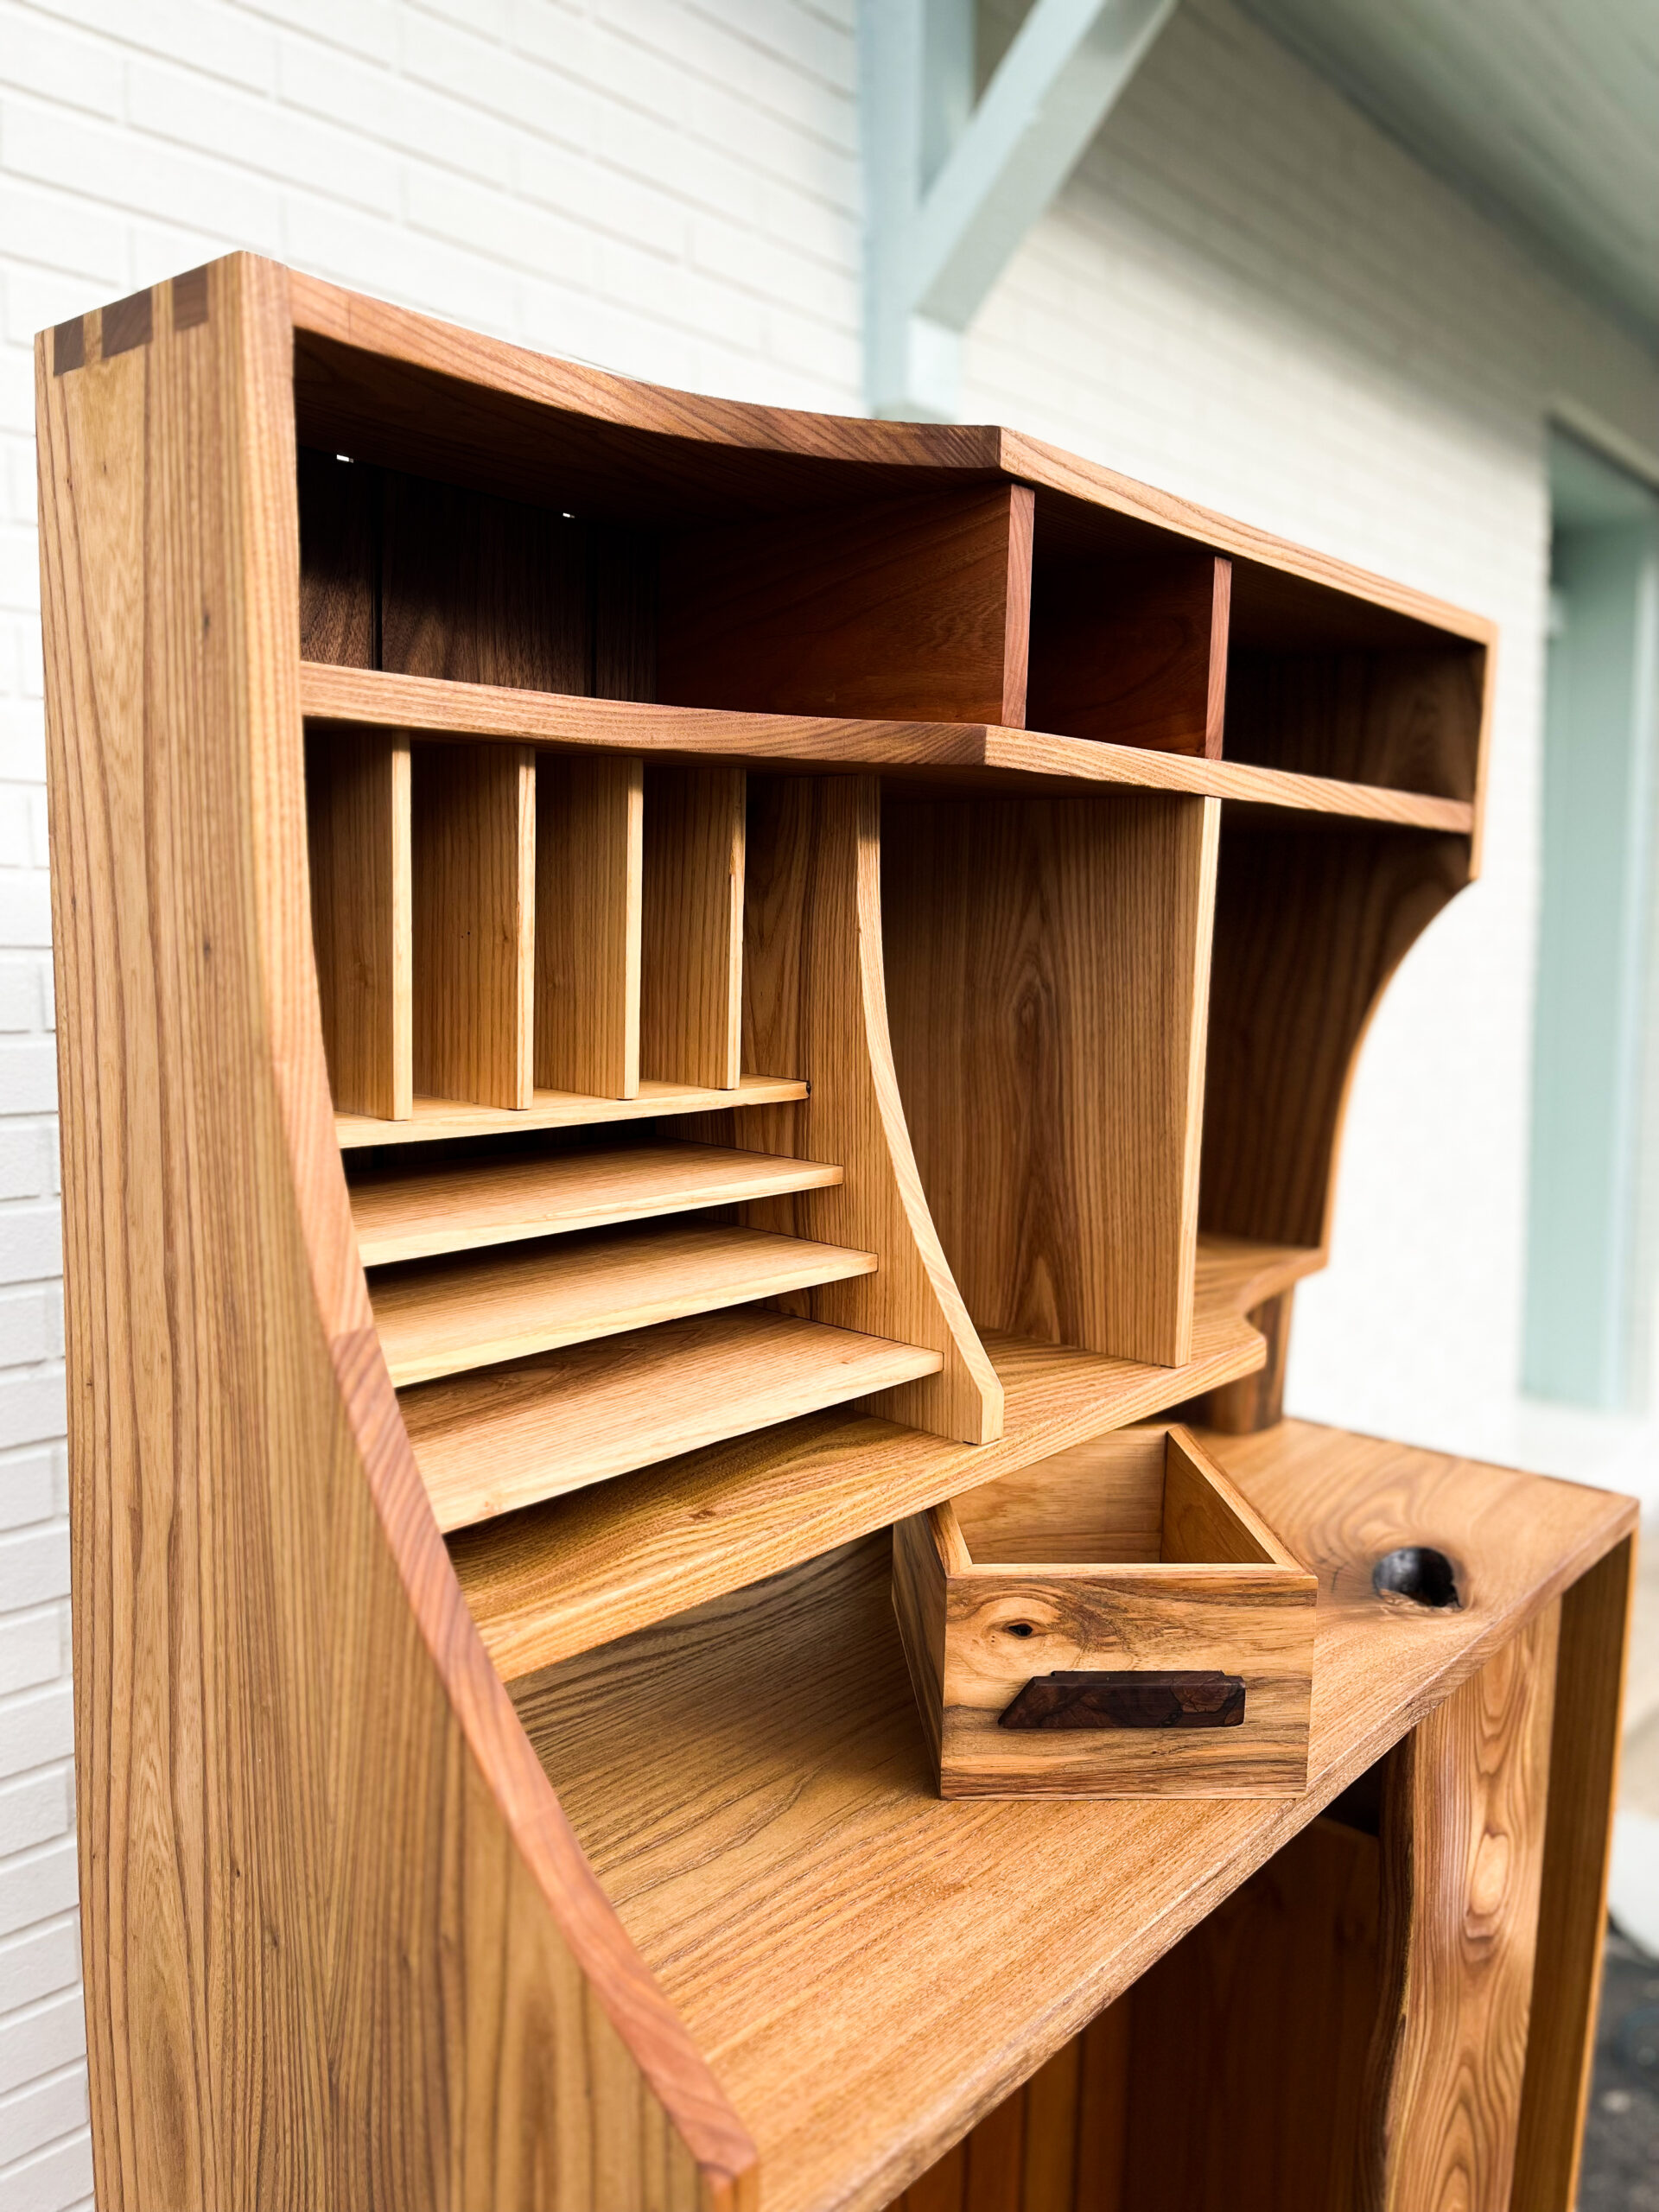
(1308, 932)
(815, 1001)
(967, 755)
(1256, 1401)
(439, 1317)
(1464, 1809)
(341, 1945)
(1590, 1665)
(363, 362)
(590, 875)
(691, 931)
(481, 590)
(1409, 720)
(973, 1940)
(413, 1215)
(1048, 966)
(437, 1118)
(357, 805)
(1257, 2024)
(918, 608)
(1145, 1697)
(506, 1437)
(1219, 1595)
(473, 871)
(340, 561)
(1136, 655)
(567, 1575)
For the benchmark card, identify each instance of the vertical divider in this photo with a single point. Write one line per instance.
(589, 885)
(472, 843)
(691, 959)
(814, 1002)
(358, 829)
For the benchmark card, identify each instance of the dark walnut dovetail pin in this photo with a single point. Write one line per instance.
(1197, 1698)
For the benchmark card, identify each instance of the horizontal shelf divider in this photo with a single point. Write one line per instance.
(435, 1118)
(566, 1576)
(964, 753)
(510, 1436)
(418, 1214)
(444, 1316)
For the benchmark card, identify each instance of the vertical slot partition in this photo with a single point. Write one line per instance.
(814, 1001)
(473, 870)
(691, 957)
(916, 608)
(1133, 651)
(1048, 971)
(357, 805)
(589, 900)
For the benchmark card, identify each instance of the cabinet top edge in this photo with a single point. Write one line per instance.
(325, 315)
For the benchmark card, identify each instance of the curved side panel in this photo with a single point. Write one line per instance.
(1309, 929)
(341, 1948)
(815, 1002)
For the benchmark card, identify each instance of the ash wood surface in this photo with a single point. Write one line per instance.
(869, 1970)
(589, 876)
(1102, 1499)
(919, 607)
(1307, 935)
(1205, 1514)
(506, 1437)
(1463, 1807)
(1259, 2021)
(341, 1945)
(412, 1216)
(356, 804)
(1049, 2147)
(1048, 966)
(1137, 656)
(1254, 1401)
(1590, 1664)
(815, 1001)
(439, 1317)
(691, 942)
(972, 754)
(1219, 1596)
(437, 1118)
(473, 899)
(557, 1580)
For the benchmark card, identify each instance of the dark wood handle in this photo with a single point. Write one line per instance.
(1133, 1699)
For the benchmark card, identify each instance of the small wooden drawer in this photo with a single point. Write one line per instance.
(1113, 1622)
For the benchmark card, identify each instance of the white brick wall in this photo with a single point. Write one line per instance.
(1246, 294)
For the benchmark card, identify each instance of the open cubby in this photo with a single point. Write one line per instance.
(663, 987)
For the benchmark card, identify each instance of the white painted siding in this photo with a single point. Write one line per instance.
(1246, 294)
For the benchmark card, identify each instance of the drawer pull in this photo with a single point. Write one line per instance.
(1143, 1698)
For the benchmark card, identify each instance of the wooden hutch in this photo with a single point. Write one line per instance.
(649, 988)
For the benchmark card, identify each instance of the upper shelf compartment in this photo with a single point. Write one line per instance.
(1133, 651)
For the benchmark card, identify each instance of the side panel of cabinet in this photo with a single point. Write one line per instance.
(341, 1949)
